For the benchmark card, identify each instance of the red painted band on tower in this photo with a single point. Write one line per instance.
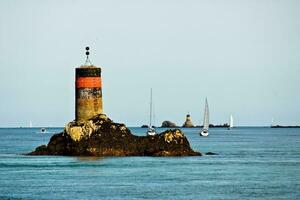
(88, 82)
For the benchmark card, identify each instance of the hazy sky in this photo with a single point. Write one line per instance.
(244, 56)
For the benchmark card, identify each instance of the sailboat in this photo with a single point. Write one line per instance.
(151, 131)
(230, 123)
(204, 131)
(43, 130)
(30, 124)
(272, 123)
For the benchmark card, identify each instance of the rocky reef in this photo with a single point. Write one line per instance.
(100, 136)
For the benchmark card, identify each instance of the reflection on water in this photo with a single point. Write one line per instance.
(89, 158)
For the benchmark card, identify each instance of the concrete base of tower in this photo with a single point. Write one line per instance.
(88, 93)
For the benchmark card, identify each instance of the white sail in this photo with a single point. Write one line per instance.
(231, 122)
(204, 131)
(30, 124)
(206, 116)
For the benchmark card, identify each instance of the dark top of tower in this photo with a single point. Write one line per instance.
(87, 51)
(87, 61)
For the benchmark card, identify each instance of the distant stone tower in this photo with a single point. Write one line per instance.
(188, 121)
(88, 91)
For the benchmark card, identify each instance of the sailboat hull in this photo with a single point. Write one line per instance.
(151, 132)
(204, 133)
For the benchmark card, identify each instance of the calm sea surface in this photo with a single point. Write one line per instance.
(253, 163)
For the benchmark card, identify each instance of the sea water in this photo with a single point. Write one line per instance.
(253, 163)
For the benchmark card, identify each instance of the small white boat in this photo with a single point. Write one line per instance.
(230, 123)
(151, 131)
(43, 130)
(272, 123)
(204, 131)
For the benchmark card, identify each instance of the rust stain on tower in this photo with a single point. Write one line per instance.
(88, 91)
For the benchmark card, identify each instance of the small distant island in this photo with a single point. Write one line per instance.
(280, 126)
(187, 124)
(219, 126)
(169, 124)
(100, 136)
(215, 126)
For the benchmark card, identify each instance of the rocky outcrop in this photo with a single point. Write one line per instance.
(100, 136)
(188, 122)
(211, 154)
(168, 124)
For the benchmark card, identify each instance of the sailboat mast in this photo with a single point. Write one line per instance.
(204, 115)
(207, 110)
(150, 124)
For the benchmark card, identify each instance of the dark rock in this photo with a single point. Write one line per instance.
(215, 126)
(168, 124)
(100, 136)
(219, 126)
(144, 126)
(42, 150)
(211, 153)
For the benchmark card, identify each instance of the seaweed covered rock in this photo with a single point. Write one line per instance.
(100, 136)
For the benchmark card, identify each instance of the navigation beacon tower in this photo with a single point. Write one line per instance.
(88, 90)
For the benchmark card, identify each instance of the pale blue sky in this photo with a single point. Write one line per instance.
(244, 56)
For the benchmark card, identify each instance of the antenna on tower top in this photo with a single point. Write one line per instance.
(87, 53)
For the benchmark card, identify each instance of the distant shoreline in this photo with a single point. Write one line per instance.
(279, 126)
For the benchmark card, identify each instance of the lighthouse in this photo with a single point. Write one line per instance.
(88, 90)
(188, 121)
